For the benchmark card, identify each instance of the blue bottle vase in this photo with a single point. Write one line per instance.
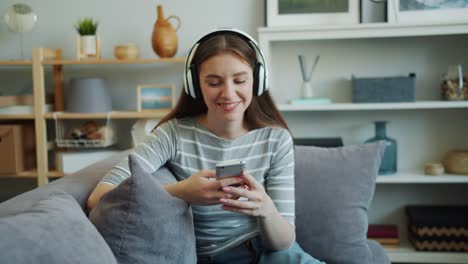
(389, 160)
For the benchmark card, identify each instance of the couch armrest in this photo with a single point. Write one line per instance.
(79, 185)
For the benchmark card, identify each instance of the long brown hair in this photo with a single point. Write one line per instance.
(262, 111)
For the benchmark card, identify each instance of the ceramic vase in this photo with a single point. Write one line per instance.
(164, 38)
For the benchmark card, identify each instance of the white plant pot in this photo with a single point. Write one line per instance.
(88, 45)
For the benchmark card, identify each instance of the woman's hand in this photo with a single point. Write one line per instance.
(258, 202)
(202, 189)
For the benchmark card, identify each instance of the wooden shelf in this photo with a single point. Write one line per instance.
(33, 174)
(374, 106)
(375, 30)
(16, 116)
(29, 174)
(16, 63)
(113, 115)
(418, 177)
(113, 61)
(407, 254)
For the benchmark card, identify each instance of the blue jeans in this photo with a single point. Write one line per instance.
(252, 251)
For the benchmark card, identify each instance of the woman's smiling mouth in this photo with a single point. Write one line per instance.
(229, 106)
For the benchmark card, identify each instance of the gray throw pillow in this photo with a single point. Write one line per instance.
(334, 188)
(54, 230)
(143, 223)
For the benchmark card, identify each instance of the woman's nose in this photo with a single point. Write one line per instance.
(228, 89)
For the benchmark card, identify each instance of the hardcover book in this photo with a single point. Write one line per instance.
(382, 231)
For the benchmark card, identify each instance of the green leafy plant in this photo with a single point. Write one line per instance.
(86, 27)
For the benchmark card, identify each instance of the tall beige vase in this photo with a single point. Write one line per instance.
(164, 39)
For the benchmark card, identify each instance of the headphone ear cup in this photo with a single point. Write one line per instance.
(256, 80)
(195, 83)
(259, 79)
(189, 83)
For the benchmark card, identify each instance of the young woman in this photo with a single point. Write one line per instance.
(226, 113)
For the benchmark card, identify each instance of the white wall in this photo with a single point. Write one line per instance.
(120, 21)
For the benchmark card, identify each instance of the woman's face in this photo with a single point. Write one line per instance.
(226, 83)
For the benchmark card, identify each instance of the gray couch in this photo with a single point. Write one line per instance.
(334, 188)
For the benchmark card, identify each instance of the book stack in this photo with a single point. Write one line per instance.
(438, 228)
(386, 235)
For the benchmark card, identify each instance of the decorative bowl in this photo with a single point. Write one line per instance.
(127, 51)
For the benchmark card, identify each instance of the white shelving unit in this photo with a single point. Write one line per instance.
(267, 35)
(424, 129)
(407, 254)
(418, 177)
(375, 106)
(372, 30)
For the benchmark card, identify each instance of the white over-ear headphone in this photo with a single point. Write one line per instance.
(260, 74)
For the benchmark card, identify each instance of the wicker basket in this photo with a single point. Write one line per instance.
(456, 161)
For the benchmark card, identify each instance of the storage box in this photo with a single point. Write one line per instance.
(11, 150)
(69, 162)
(438, 227)
(384, 89)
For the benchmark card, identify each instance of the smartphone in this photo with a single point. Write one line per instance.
(230, 169)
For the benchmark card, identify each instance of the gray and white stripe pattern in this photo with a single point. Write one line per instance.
(188, 147)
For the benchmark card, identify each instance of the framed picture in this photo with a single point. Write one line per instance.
(427, 11)
(311, 12)
(155, 97)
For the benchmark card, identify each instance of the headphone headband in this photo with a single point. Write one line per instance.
(191, 82)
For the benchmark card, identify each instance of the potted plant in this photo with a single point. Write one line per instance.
(88, 42)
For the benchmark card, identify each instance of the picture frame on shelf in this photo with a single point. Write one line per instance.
(311, 12)
(427, 12)
(155, 97)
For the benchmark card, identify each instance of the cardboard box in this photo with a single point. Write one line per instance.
(11, 150)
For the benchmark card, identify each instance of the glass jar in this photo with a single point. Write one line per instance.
(454, 85)
(389, 160)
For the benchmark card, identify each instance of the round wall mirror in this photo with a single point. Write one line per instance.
(20, 18)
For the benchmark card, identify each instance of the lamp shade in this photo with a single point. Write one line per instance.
(88, 95)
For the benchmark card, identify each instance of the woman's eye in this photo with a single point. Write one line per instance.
(214, 84)
(240, 81)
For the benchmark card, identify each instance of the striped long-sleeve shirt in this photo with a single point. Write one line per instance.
(187, 147)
